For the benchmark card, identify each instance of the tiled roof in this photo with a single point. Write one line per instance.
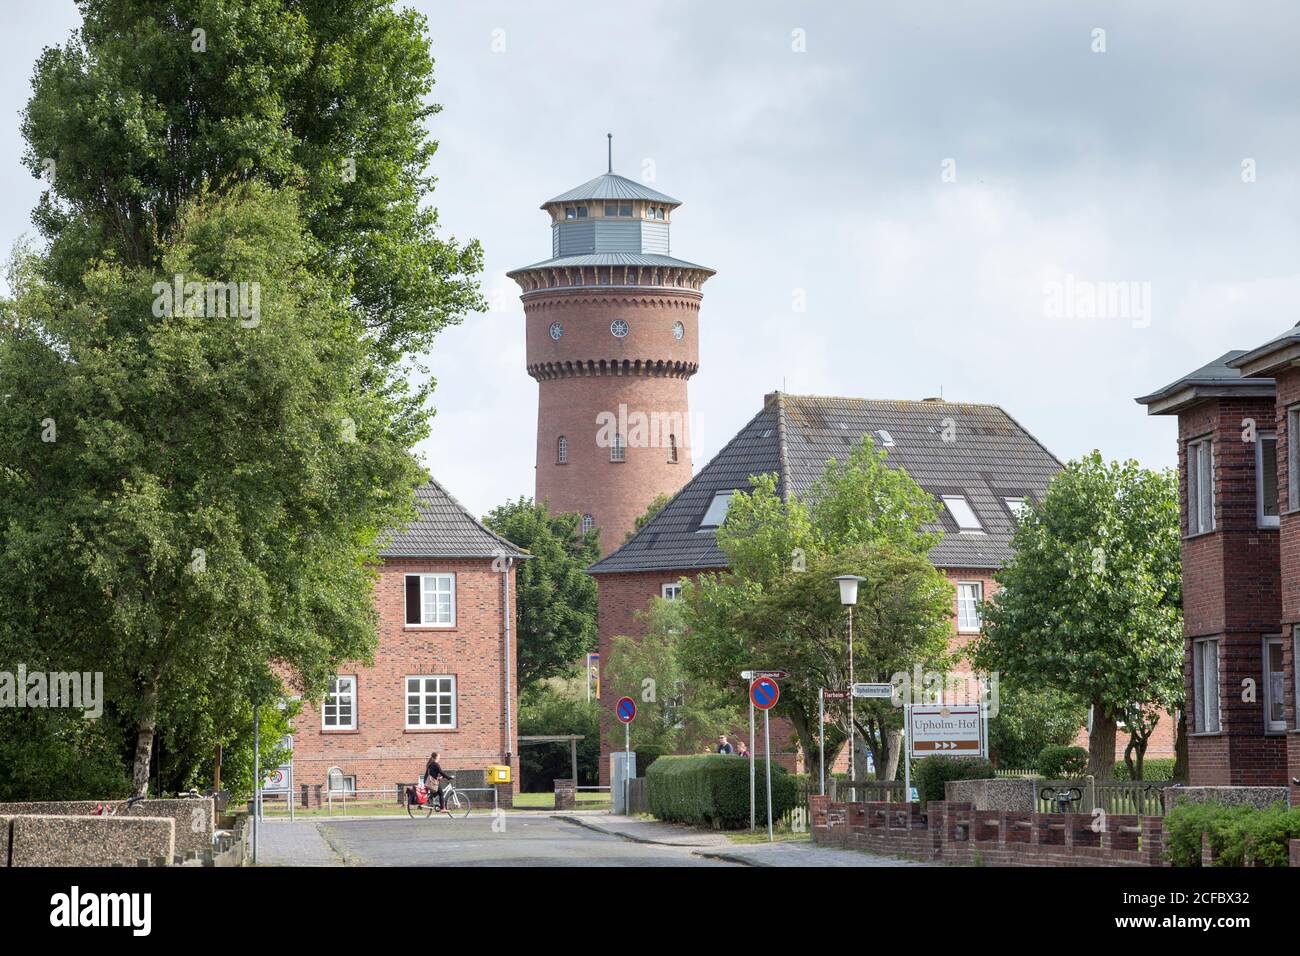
(444, 529)
(612, 186)
(991, 457)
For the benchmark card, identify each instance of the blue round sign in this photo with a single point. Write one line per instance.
(625, 709)
(764, 692)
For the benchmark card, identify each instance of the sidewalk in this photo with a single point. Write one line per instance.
(296, 843)
(718, 847)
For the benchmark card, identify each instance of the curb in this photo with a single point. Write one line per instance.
(578, 821)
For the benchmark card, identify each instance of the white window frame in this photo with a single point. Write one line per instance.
(670, 591)
(562, 450)
(963, 505)
(1293, 458)
(1197, 521)
(618, 449)
(1265, 521)
(588, 523)
(1205, 687)
(332, 700)
(423, 693)
(973, 605)
(424, 577)
(1270, 725)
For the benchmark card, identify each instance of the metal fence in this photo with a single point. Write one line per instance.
(1143, 797)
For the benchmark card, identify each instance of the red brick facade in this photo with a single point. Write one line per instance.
(382, 750)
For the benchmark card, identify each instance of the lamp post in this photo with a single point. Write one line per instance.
(848, 597)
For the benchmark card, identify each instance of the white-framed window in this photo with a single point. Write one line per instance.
(1266, 480)
(430, 701)
(588, 523)
(618, 450)
(339, 712)
(431, 600)
(1016, 506)
(1274, 685)
(717, 511)
(671, 591)
(619, 327)
(969, 595)
(562, 451)
(962, 513)
(1205, 685)
(1200, 486)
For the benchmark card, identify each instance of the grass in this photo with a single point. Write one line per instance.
(546, 801)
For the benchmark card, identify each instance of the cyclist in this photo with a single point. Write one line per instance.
(432, 772)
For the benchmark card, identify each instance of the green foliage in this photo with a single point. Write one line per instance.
(1153, 768)
(58, 754)
(1030, 719)
(556, 600)
(1237, 834)
(777, 606)
(677, 711)
(643, 519)
(547, 711)
(1091, 602)
(929, 774)
(713, 789)
(1058, 762)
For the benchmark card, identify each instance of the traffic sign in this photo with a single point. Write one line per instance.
(873, 691)
(755, 675)
(625, 709)
(959, 730)
(835, 694)
(764, 692)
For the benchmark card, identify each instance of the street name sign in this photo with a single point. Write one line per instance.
(835, 694)
(873, 691)
(959, 730)
(755, 675)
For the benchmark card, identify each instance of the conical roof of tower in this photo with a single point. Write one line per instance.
(612, 186)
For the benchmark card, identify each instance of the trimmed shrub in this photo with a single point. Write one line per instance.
(929, 774)
(1153, 768)
(1062, 763)
(1236, 834)
(713, 789)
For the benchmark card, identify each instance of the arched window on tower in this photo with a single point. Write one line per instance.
(617, 451)
(562, 451)
(672, 449)
(588, 523)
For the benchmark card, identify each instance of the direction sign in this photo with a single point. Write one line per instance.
(755, 675)
(625, 709)
(955, 729)
(764, 692)
(873, 691)
(835, 694)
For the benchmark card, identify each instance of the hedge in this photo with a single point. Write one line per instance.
(713, 789)
(1153, 768)
(1236, 834)
(929, 774)
(1062, 763)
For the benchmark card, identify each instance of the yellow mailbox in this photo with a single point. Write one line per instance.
(498, 773)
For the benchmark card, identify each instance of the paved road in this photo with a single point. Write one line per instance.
(526, 841)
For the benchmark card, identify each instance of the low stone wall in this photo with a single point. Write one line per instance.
(1257, 797)
(195, 818)
(39, 840)
(957, 833)
(1009, 794)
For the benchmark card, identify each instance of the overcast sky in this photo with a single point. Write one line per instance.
(925, 176)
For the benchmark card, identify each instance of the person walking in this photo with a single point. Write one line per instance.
(723, 746)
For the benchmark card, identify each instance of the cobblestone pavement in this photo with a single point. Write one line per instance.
(300, 843)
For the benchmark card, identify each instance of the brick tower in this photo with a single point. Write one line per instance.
(612, 323)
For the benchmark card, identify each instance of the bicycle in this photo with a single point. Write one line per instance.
(454, 802)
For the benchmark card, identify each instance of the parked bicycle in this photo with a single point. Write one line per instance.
(454, 803)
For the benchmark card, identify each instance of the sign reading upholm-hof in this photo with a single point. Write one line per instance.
(960, 730)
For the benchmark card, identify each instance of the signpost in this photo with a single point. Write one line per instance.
(763, 694)
(625, 710)
(873, 691)
(959, 730)
(823, 695)
(753, 740)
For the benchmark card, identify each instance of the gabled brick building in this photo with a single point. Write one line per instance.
(443, 676)
(976, 459)
(1239, 481)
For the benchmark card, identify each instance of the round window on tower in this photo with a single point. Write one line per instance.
(679, 331)
(556, 330)
(618, 328)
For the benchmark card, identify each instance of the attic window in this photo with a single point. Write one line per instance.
(1016, 506)
(962, 513)
(885, 438)
(717, 512)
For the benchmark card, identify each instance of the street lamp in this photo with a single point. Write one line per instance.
(848, 597)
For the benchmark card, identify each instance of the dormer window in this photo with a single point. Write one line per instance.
(570, 212)
(623, 209)
(886, 440)
(717, 512)
(962, 513)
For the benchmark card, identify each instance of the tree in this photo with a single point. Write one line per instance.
(546, 711)
(1091, 603)
(556, 599)
(778, 607)
(677, 711)
(187, 503)
(1029, 719)
(643, 519)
